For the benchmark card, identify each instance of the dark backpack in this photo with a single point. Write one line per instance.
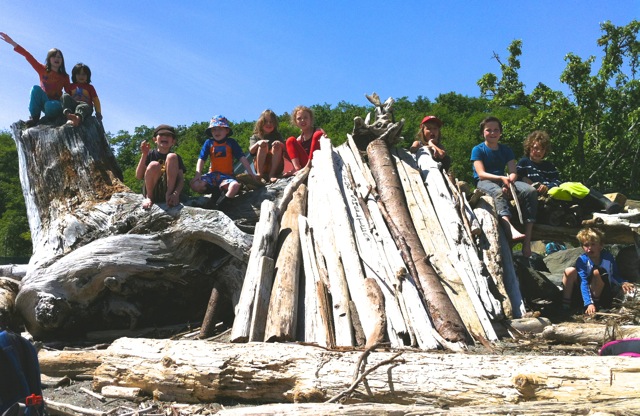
(20, 388)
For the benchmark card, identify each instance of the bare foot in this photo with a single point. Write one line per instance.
(147, 203)
(516, 235)
(74, 119)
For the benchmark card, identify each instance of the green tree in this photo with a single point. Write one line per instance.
(596, 125)
(15, 237)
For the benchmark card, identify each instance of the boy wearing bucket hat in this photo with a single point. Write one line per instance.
(222, 150)
(162, 170)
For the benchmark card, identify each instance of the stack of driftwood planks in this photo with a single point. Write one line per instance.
(336, 265)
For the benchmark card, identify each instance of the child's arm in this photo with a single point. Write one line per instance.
(486, 176)
(97, 107)
(142, 164)
(199, 167)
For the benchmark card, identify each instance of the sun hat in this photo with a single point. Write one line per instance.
(432, 118)
(218, 121)
(164, 128)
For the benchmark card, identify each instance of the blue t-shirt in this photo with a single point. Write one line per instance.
(494, 161)
(585, 266)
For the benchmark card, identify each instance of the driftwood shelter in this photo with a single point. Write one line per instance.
(370, 249)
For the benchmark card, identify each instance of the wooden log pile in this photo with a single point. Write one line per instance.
(343, 269)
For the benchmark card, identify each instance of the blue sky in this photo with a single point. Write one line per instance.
(180, 62)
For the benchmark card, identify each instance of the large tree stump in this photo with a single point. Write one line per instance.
(100, 261)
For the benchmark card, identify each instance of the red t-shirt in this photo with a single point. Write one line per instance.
(52, 83)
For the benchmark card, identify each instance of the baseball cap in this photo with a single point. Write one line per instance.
(164, 128)
(432, 118)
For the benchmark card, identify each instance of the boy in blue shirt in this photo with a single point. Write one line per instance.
(489, 161)
(223, 151)
(597, 272)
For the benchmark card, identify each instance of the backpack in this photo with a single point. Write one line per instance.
(20, 388)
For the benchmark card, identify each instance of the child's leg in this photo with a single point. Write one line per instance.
(232, 189)
(569, 282)
(171, 169)
(502, 207)
(596, 285)
(261, 158)
(36, 102)
(52, 109)
(151, 178)
(277, 162)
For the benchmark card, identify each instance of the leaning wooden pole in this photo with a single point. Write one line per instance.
(445, 317)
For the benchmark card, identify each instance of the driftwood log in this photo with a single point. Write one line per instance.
(192, 371)
(99, 260)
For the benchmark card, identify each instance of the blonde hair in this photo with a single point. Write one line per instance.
(590, 235)
(299, 109)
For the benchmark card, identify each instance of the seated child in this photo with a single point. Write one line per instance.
(79, 104)
(597, 272)
(300, 149)
(430, 136)
(543, 175)
(267, 145)
(162, 171)
(223, 150)
(489, 161)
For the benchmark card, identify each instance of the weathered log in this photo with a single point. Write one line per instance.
(69, 363)
(445, 317)
(8, 291)
(450, 248)
(583, 333)
(264, 245)
(192, 371)
(266, 270)
(498, 259)
(329, 261)
(99, 260)
(620, 406)
(371, 253)
(283, 306)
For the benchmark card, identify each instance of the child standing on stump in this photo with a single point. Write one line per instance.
(595, 274)
(489, 161)
(162, 170)
(83, 99)
(222, 149)
(45, 98)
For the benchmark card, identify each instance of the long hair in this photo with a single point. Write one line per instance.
(264, 116)
(300, 109)
(51, 53)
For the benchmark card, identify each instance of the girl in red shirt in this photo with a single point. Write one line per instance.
(45, 98)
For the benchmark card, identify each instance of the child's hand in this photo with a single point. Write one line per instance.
(144, 147)
(591, 309)
(7, 39)
(628, 287)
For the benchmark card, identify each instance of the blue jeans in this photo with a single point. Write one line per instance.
(41, 103)
(527, 195)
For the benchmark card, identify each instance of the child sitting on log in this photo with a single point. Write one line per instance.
(543, 175)
(489, 161)
(223, 150)
(162, 170)
(595, 275)
(430, 136)
(267, 145)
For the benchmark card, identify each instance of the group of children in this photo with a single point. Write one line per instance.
(595, 278)
(56, 96)
(163, 171)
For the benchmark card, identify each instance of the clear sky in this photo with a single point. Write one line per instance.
(181, 62)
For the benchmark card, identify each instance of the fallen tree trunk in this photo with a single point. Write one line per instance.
(192, 371)
(584, 333)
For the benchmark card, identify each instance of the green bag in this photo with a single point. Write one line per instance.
(569, 190)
